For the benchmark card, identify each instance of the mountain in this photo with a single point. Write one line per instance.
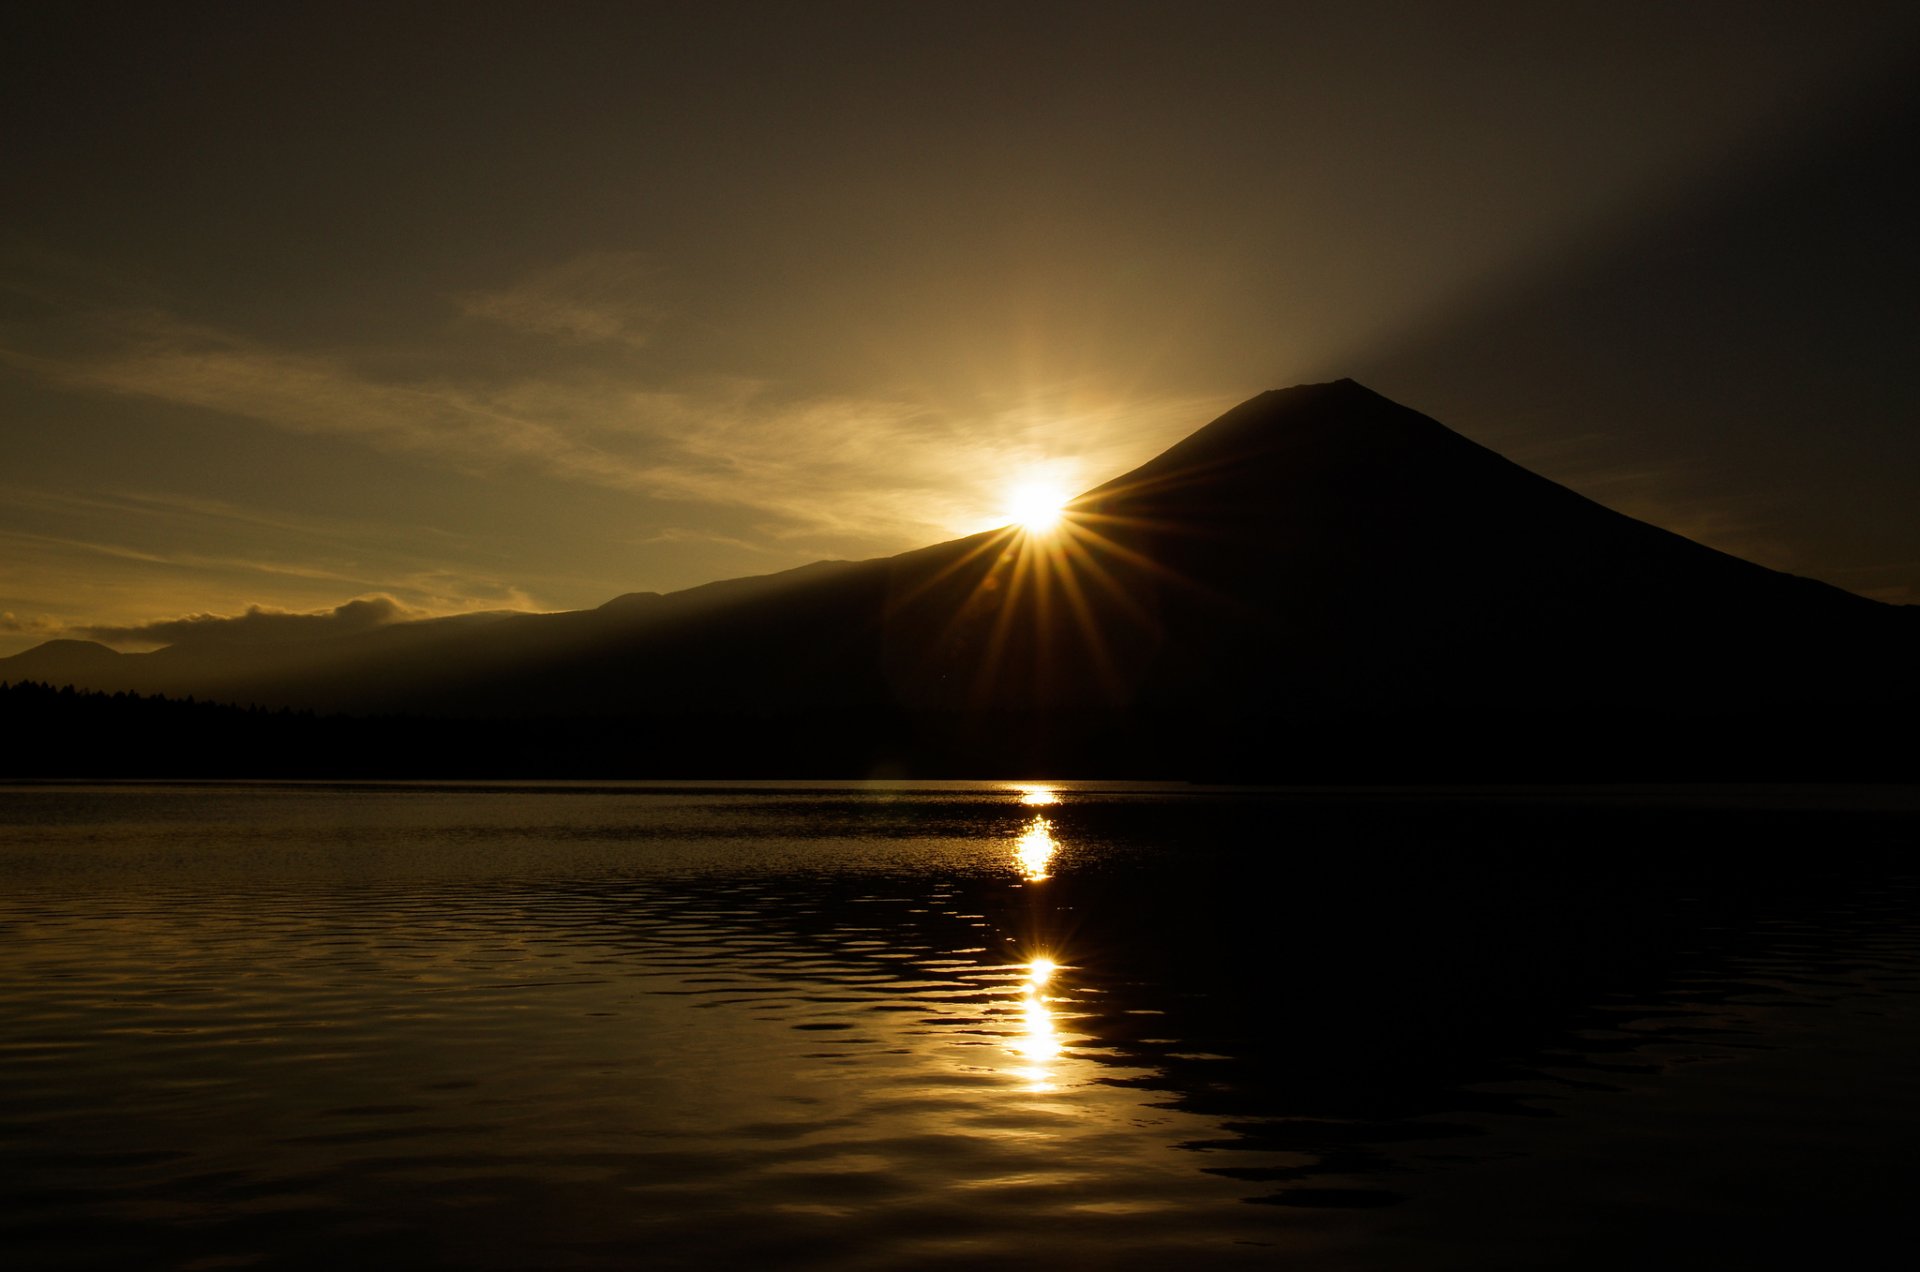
(1320, 579)
(83, 662)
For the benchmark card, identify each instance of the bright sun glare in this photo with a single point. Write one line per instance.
(1036, 507)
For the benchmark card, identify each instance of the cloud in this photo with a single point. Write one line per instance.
(114, 560)
(259, 625)
(30, 625)
(683, 534)
(829, 474)
(278, 544)
(599, 297)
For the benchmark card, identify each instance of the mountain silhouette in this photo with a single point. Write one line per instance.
(1318, 580)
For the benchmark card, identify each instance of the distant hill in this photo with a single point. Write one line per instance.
(1318, 582)
(81, 662)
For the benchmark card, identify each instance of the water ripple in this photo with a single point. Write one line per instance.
(290, 1027)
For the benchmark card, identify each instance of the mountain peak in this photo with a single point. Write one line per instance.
(90, 648)
(64, 659)
(1291, 435)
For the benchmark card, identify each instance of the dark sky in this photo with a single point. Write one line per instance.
(476, 306)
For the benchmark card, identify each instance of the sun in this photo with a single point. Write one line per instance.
(1036, 507)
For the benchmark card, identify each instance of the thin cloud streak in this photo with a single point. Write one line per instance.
(39, 584)
(153, 510)
(683, 534)
(830, 471)
(191, 560)
(601, 297)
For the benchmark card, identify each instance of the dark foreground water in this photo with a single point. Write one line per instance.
(962, 1026)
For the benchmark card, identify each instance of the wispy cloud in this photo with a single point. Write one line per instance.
(120, 557)
(258, 625)
(684, 534)
(306, 552)
(599, 297)
(31, 625)
(835, 473)
(315, 394)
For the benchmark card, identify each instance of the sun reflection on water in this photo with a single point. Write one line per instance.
(1033, 851)
(1034, 1038)
(1038, 1042)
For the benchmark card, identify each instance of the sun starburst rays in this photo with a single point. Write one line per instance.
(1021, 620)
(1042, 583)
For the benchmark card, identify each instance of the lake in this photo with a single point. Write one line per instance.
(954, 1025)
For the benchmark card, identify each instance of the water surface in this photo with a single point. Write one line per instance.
(962, 1025)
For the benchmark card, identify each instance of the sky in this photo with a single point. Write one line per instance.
(385, 310)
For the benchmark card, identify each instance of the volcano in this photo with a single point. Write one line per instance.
(1320, 582)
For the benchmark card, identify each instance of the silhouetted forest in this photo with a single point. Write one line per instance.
(63, 733)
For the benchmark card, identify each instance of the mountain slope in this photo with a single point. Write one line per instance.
(1325, 545)
(1315, 557)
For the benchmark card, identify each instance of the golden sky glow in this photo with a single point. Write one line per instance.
(313, 308)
